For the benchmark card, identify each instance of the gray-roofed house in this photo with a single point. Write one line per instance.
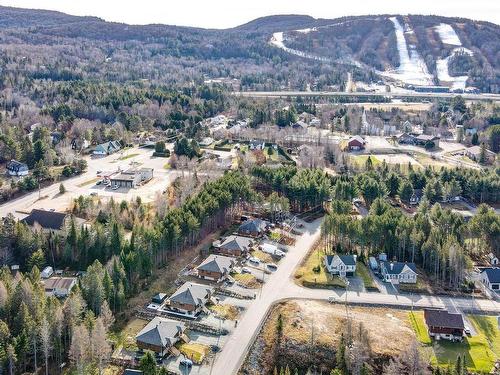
(16, 168)
(190, 299)
(215, 267)
(398, 272)
(107, 148)
(343, 265)
(59, 286)
(253, 227)
(490, 277)
(443, 325)
(50, 221)
(160, 335)
(235, 245)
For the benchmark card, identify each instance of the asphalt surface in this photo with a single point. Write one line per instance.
(280, 286)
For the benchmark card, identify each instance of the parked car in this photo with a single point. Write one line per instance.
(115, 187)
(98, 182)
(254, 260)
(331, 299)
(245, 270)
(186, 362)
(272, 266)
(93, 194)
(467, 331)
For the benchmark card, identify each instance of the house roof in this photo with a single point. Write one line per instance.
(425, 137)
(46, 219)
(129, 371)
(217, 263)
(397, 267)
(254, 225)
(236, 243)
(15, 165)
(191, 294)
(159, 296)
(161, 332)
(348, 260)
(59, 283)
(356, 138)
(493, 274)
(442, 318)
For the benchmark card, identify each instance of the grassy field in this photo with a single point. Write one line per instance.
(194, 351)
(480, 350)
(225, 311)
(247, 280)
(360, 160)
(126, 337)
(274, 154)
(262, 256)
(307, 276)
(362, 271)
(89, 182)
(125, 157)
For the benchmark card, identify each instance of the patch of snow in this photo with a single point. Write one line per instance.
(306, 31)
(412, 68)
(457, 83)
(448, 34)
(277, 40)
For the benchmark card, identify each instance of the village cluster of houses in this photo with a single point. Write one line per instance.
(190, 300)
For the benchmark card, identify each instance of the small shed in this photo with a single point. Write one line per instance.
(47, 272)
(373, 263)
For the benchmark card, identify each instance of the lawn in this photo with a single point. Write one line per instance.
(480, 350)
(274, 154)
(363, 272)
(247, 280)
(262, 256)
(225, 311)
(89, 182)
(125, 157)
(194, 351)
(312, 272)
(126, 337)
(360, 160)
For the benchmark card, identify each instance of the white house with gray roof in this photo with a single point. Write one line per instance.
(190, 299)
(160, 335)
(398, 272)
(343, 265)
(215, 267)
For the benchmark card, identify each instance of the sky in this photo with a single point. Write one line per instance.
(229, 13)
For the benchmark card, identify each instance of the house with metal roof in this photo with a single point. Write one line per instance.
(59, 286)
(234, 245)
(190, 299)
(215, 267)
(490, 277)
(443, 325)
(50, 221)
(160, 335)
(253, 227)
(16, 168)
(356, 143)
(342, 265)
(107, 148)
(398, 272)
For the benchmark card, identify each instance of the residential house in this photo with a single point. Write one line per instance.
(423, 139)
(190, 299)
(159, 298)
(254, 227)
(492, 258)
(404, 138)
(129, 371)
(356, 143)
(50, 221)
(215, 267)
(207, 141)
(490, 277)
(107, 148)
(59, 286)
(256, 145)
(300, 125)
(443, 325)
(132, 177)
(160, 335)
(474, 153)
(79, 144)
(234, 245)
(342, 265)
(398, 272)
(16, 168)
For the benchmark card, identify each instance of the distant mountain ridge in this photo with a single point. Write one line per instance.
(367, 45)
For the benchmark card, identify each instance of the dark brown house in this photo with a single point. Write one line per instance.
(160, 335)
(215, 267)
(235, 246)
(443, 325)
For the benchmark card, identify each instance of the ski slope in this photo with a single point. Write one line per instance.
(447, 34)
(412, 68)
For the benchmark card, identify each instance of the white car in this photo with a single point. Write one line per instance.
(331, 299)
(272, 266)
(245, 270)
(467, 331)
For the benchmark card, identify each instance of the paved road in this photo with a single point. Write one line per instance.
(393, 95)
(280, 286)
